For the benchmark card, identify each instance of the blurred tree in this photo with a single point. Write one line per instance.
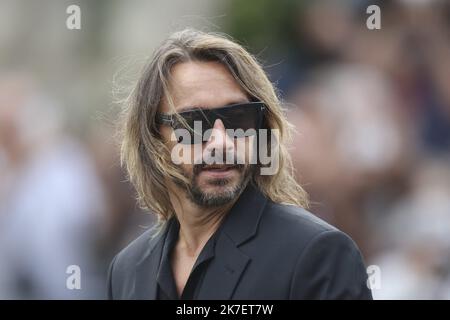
(262, 25)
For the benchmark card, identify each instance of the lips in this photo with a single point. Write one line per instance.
(218, 171)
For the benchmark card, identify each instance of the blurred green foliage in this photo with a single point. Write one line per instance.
(263, 26)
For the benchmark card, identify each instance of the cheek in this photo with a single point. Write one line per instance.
(183, 155)
(251, 146)
(197, 153)
(166, 134)
(187, 168)
(245, 148)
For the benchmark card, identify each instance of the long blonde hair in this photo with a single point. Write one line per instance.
(145, 156)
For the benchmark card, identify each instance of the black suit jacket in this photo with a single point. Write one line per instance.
(265, 250)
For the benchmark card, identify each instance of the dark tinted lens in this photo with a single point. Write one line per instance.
(242, 119)
(196, 122)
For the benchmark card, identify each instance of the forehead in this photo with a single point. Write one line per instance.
(202, 85)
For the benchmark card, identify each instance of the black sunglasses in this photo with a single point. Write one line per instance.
(238, 117)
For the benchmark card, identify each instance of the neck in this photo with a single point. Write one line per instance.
(197, 224)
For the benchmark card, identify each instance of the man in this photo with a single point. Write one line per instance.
(227, 229)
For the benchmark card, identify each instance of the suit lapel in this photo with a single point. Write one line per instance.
(224, 271)
(145, 285)
(229, 263)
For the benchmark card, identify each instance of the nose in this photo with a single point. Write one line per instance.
(219, 141)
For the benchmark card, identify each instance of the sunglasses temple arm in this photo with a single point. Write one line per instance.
(165, 119)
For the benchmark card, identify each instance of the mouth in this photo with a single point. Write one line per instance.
(219, 171)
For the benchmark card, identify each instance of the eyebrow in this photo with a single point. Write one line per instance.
(191, 108)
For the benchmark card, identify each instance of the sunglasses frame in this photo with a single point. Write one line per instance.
(170, 119)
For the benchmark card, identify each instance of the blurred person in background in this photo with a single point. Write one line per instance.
(413, 242)
(351, 141)
(372, 114)
(125, 220)
(51, 201)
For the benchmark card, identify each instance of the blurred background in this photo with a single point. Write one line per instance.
(371, 109)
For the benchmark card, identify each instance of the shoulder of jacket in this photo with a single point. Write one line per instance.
(129, 256)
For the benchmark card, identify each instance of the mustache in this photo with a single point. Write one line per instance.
(220, 158)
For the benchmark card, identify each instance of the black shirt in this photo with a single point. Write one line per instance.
(167, 289)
